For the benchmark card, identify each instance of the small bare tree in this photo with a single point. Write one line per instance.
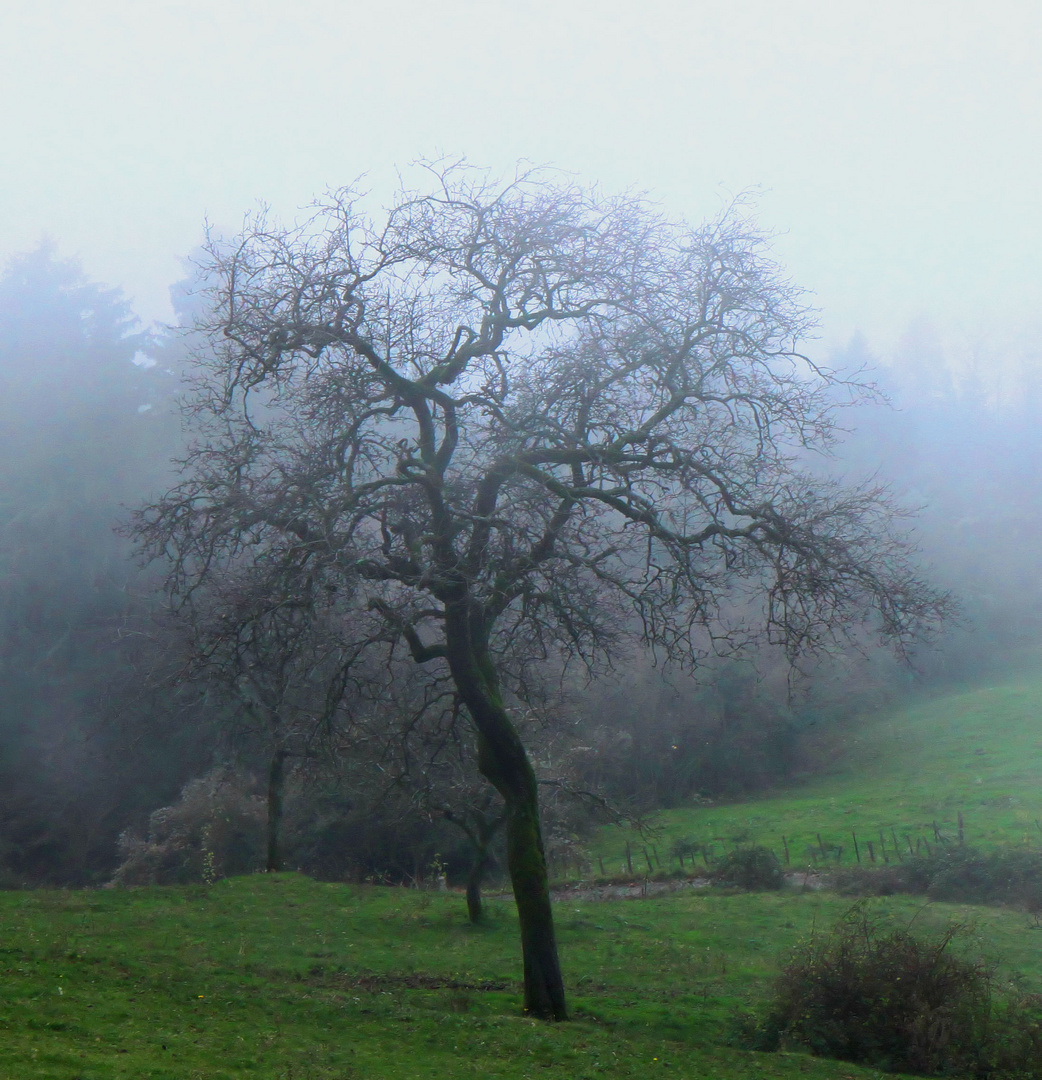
(428, 762)
(278, 662)
(523, 420)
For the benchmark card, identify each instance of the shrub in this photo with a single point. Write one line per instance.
(214, 830)
(1008, 876)
(890, 1000)
(957, 874)
(752, 868)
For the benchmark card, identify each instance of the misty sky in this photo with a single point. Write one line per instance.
(898, 146)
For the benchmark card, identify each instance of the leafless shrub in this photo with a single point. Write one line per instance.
(215, 829)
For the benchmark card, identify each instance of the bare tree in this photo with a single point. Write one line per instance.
(517, 421)
(428, 762)
(278, 660)
(450, 789)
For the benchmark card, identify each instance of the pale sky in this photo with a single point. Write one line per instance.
(897, 146)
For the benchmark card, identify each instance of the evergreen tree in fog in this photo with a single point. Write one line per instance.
(80, 437)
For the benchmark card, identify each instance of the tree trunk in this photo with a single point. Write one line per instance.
(475, 908)
(544, 986)
(276, 785)
(504, 763)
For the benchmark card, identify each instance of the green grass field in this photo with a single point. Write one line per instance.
(281, 977)
(978, 753)
(284, 977)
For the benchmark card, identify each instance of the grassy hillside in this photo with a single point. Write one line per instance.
(977, 753)
(277, 976)
(281, 977)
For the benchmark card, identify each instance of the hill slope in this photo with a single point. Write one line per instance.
(905, 777)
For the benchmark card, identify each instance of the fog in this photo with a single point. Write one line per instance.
(893, 153)
(895, 147)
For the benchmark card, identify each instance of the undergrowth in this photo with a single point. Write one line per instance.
(881, 996)
(957, 875)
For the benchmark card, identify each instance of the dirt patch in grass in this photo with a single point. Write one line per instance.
(375, 981)
(624, 890)
(641, 890)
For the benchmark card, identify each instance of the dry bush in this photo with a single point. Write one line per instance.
(955, 874)
(214, 830)
(888, 999)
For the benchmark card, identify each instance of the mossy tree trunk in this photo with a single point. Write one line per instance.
(504, 763)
